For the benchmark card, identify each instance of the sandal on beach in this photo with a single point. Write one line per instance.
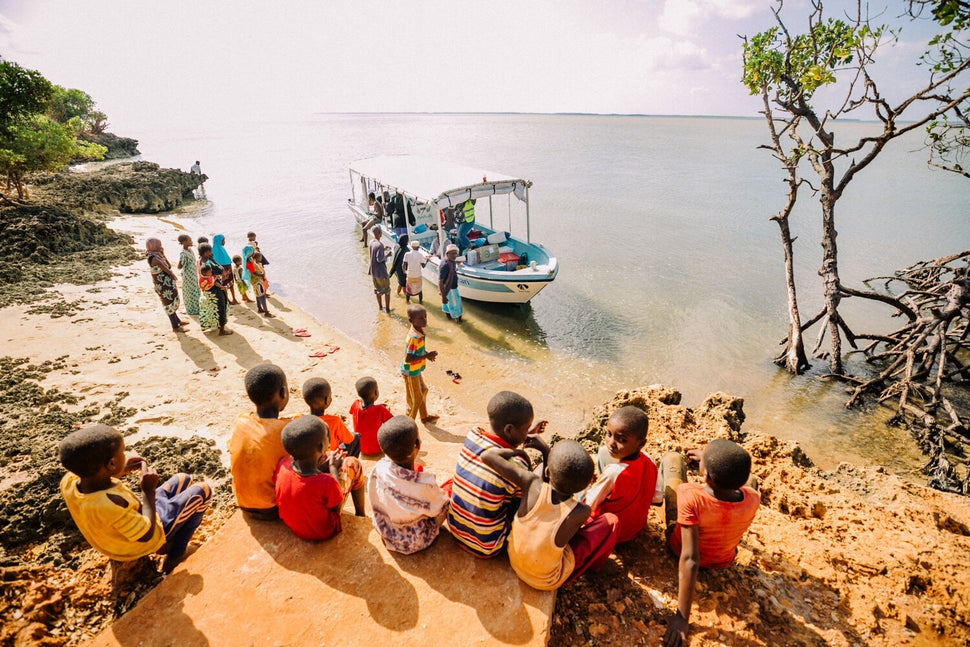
(302, 334)
(319, 353)
(296, 330)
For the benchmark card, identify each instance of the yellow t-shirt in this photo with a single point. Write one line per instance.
(255, 449)
(111, 520)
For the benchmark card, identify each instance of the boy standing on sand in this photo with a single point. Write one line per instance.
(705, 522)
(482, 500)
(255, 448)
(627, 483)
(318, 396)
(408, 505)
(415, 360)
(108, 513)
(548, 545)
(311, 487)
(368, 416)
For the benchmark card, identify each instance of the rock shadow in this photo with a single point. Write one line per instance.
(169, 624)
(347, 563)
(488, 586)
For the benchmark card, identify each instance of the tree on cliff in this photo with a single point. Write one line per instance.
(30, 140)
(69, 103)
(787, 70)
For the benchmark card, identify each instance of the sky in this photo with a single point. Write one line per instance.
(210, 60)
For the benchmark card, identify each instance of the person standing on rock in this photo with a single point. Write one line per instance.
(165, 281)
(190, 276)
(197, 170)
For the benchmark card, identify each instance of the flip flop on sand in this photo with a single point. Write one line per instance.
(324, 353)
(302, 334)
(296, 330)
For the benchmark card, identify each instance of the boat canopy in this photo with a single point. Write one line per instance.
(434, 181)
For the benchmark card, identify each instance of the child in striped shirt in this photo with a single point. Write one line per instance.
(482, 501)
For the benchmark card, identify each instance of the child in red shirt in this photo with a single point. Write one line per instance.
(368, 416)
(311, 484)
(705, 522)
(628, 477)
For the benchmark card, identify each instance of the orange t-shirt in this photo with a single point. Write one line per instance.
(338, 431)
(720, 524)
(255, 449)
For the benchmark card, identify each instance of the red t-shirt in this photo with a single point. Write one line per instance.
(366, 423)
(628, 489)
(721, 524)
(309, 505)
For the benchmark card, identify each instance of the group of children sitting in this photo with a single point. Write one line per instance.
(554, 521)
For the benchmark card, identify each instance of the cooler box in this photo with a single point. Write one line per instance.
(510, 259)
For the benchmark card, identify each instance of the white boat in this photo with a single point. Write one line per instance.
(503, 267)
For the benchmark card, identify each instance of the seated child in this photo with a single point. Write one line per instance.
(628, 477)
(237, 273)
(482, 500)
(705, 521)
(368, 416)
(408, 505)
(255, 448)
(311, 487)
(548, 545)
(108, 513)
(317, 395)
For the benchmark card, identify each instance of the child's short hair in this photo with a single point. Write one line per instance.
(88, 449)
(633, 420)
(727, 463)
(316, 389)
(414, 309)
(184, 238)
(202, 240)
(237, 259)
(508, 408)
(364, 385)
(204, 248)
(397, 437)
(303, 437)
(264, 381)
(205, 270)
(250, 234)
(570, 467)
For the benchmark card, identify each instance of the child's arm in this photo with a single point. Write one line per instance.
(149, 482)
(499, 459)
(572, 524)
(677, 624)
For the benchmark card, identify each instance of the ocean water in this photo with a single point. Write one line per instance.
(670, 269)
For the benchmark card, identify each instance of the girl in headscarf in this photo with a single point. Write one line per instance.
(221, 256)
(165, 281)
(397, 263)
(190, 276)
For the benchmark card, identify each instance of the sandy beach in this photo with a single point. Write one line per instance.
(846, 557)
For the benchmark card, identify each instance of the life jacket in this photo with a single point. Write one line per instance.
(469, 211)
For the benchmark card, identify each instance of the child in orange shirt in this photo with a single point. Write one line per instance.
(705, 522)
(368, 416)
(318, 396)
(255, 447)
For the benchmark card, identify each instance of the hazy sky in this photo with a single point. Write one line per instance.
(201, 60)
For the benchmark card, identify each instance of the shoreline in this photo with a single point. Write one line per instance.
(800, 574)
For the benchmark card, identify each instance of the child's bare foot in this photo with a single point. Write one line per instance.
(223, 332)
(234, 303)
(268, 314)
(248, 300)
(429, 419)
